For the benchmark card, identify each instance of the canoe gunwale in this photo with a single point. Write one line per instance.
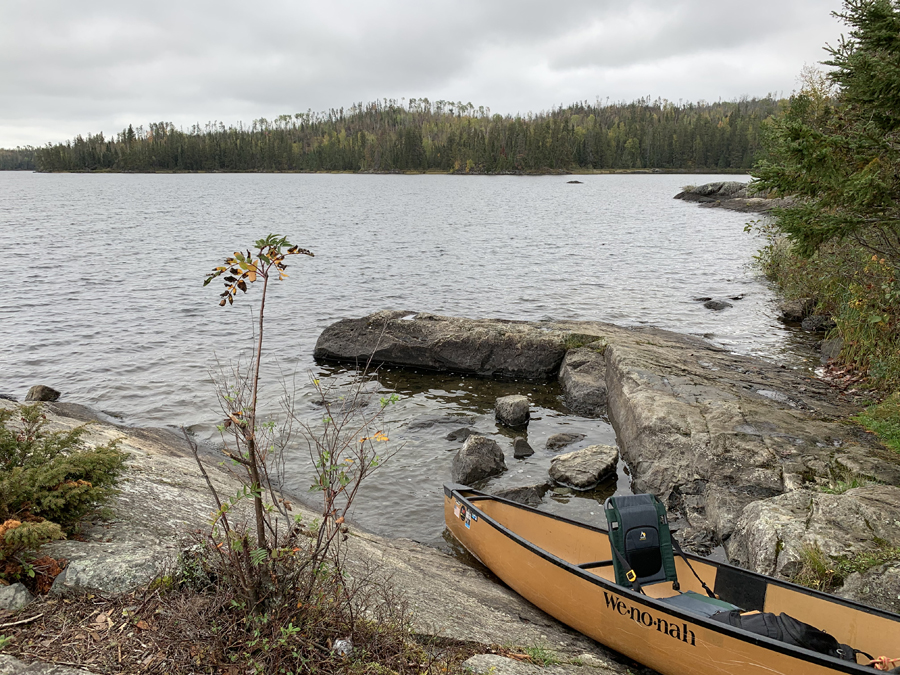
(453, 490)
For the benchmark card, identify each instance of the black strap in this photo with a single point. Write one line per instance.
(688, 562)
(629, 573)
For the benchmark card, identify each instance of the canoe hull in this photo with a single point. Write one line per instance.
(651, 633)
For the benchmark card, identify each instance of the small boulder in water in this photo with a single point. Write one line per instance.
(479, 458)
(512, 411)
(41, 392)
(583, 469)
(521, 448)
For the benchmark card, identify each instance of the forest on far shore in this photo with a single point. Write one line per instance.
(420, 135)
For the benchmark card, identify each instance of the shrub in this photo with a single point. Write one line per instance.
(48, 482)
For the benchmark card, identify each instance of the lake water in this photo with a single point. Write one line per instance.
(104, 301)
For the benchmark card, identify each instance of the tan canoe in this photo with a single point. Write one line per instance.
(538, 555)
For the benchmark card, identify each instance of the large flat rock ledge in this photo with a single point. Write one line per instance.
(733, 444)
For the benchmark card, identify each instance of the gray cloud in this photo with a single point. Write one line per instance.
(77, 67)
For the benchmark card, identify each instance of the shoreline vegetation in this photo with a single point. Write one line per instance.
(443, 137)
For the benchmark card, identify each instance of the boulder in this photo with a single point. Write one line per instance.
(794, 311)
(521, 448)
(512, 411)
(41, 392)
(771, 535)
(487, 348)
(479, 458)
(14, 597)
(717, 305)
(530, 495)
(818, 323)
(583, 469)
(830, 349)
(582, 377)
(557, 441)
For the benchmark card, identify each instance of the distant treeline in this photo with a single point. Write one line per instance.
(19, 159)
(443, 136)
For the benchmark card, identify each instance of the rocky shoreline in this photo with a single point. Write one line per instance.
(731, 195)
(746, 454)
(163, 499)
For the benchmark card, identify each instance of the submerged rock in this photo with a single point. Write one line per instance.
(512, 411)
(717, 305)
(557, 441)
(583, 469)
(582, 377)
(479, 458)
(530, 495)
(460, 434)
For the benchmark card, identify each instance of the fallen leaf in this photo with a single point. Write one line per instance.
(143, 625)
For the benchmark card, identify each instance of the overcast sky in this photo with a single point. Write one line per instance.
(79, 66)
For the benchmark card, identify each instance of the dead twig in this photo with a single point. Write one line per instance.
(22, 622)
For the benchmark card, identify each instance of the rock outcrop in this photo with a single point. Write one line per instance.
(582, 377)
(732, 195)
(503, 349)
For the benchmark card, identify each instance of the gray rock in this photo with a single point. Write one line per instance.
(12, 666)
(112, 569)
(521, 448)
(830, 349)
(512, 411)
(717, 305)
(479, 458)
(494, 664)
(530, 495)
(8, 397)
(583, 469)
(557, 441)
(488, 348)
(770, 535)
(459, 435)
(818, 323)
(14, 597)
(794, 311)
(582, 377)
(882, 582)
(41, 392)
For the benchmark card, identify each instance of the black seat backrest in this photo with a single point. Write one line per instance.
(639, 531)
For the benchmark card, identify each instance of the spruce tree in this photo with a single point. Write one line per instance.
(839, 156)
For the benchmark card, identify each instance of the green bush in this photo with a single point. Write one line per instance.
(48, 482)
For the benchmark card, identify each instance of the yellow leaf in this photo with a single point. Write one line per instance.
(251, 276)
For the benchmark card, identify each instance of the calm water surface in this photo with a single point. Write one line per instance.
(104, 296)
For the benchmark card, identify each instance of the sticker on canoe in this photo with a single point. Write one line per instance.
(475, 517)
(456, 510)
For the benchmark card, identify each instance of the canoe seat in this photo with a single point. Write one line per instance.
(640, 540)
(698, 603)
